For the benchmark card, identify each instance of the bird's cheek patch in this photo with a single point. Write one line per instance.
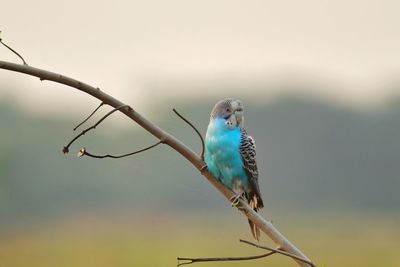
(231, 122)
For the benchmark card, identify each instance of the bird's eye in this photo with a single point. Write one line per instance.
(228, 110)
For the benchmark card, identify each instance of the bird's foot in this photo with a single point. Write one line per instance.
(235, 198)
(203, 169)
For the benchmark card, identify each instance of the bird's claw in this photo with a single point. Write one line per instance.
(235, 202)
(235, 199)
(203, 169)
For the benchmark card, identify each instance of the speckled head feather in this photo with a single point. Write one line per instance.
(225, 108)
(222, 108)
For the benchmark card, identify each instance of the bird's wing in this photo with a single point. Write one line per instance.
(248, 153)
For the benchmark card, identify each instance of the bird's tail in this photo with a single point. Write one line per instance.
(255, 230)
(255, 203)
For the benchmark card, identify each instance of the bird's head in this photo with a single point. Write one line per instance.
(230, 110)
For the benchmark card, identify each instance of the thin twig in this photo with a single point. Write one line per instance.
(194, 260)
(280, 251)
(66, 148)
(12, 50)
(195, 129)
(91, 114)
(84, 152)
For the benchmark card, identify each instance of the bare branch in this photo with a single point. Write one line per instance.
(91, 114)
(195, 129)
(84, 152)
(266, 226)
(12, 50)
(194, 260)
(66, 148)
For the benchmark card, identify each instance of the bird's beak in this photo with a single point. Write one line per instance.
(239, 115)
(238, 111)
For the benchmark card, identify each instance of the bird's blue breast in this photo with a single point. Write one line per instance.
(223, 157)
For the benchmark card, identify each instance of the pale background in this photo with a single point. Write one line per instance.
(321, 89)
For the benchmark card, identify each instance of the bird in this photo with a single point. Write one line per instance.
(230, 155)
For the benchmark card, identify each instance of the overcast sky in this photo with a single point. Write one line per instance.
(349, 49)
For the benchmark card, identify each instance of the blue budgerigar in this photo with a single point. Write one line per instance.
(231, 154)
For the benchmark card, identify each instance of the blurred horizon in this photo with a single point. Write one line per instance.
(310, 135)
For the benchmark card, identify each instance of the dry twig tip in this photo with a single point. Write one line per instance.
(81, 152)
(12, 50)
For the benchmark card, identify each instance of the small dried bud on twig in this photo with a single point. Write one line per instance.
(81, 152)
(65, 150)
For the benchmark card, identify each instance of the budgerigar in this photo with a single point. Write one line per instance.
(231, 155)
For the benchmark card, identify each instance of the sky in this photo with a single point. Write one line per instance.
(143, 52)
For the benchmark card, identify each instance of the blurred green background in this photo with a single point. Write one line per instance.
(321, 89)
